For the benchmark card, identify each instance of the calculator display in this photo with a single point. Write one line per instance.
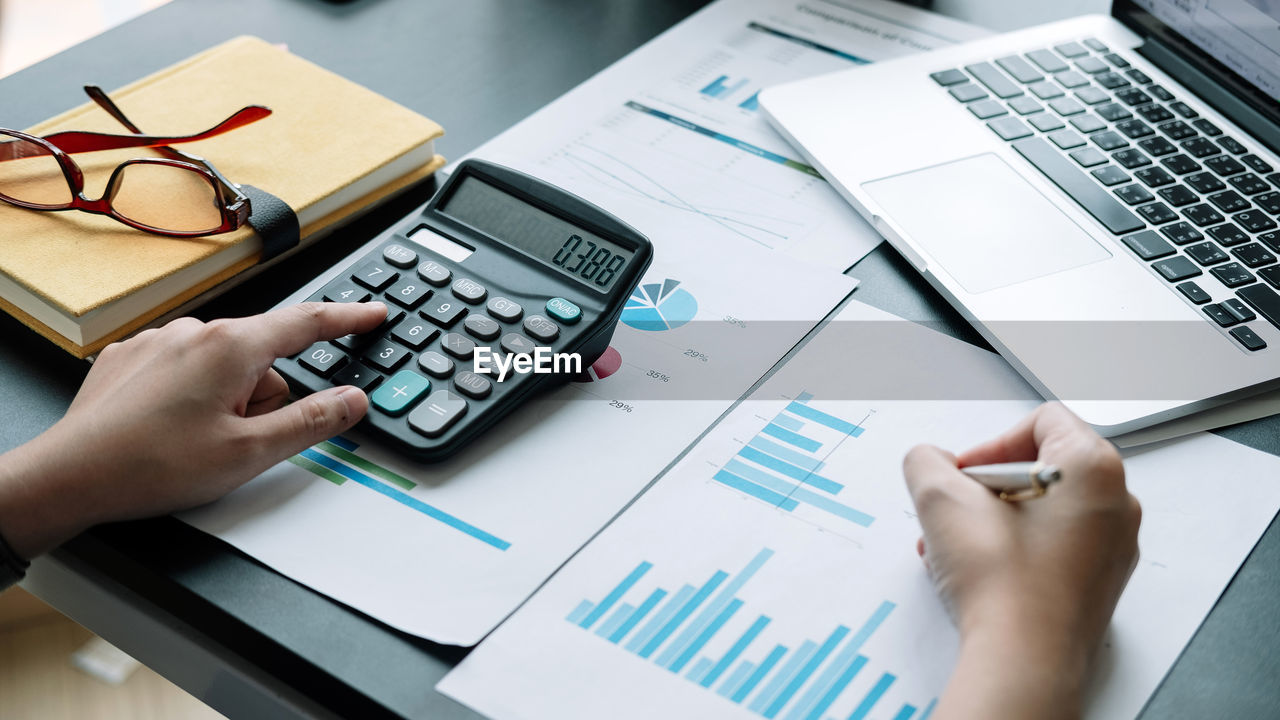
(582, 255)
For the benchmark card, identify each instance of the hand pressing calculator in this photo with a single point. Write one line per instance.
(498, 265)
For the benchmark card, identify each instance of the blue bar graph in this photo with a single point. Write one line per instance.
(752, 103)
(793, 438)
(780, 684)
(788, 422)
(718, 88)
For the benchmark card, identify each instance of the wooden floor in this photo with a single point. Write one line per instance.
(37, 679)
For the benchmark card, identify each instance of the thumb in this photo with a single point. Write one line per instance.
(295, 427)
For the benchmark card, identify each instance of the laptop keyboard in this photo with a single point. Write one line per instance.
(1196, 205)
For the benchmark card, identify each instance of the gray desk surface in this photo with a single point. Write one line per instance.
(476, 67)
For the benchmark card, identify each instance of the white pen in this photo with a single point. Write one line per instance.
(1016, 480)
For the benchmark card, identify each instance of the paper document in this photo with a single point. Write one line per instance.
(446, 551)
(670, 139)
(733, 590)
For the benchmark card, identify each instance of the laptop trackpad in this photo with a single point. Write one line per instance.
(983, 223)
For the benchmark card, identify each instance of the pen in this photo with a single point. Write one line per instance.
(1017, 480)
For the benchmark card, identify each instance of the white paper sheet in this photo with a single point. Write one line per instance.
(837, 573)
(668, 138)
(446, 551)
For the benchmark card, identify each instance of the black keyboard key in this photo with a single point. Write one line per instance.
(1045, 90)
(358, 375)
(1091, 95)
(1020, 69)
(1224, 165)
(1160, 93)
(415, 333)
(997, 82)
(375, 275)
(1181, 233)
(1010, 128)
(1176, 268)
(1254, 255)
(1271, 275)
(1093, 66)
(1256, 164)
(947, 78)
(984, 109)
(1155, 113)
(1177, 130)
(444, 310)
(1130, 96)
(1203, 182)
(1274, 179)
(1088, 157)
(1110, 175)
(409, 292)
(1254, 221)
(322, 359)
(1248, 338)
(1193, 293)
(1111, 81)
(1207, 127)
(345, 291)
(1233, 275)
(1087, 123)
(1248, 183)
(1148, 245)
(1183, 109)
(1094, 199)
(1071, 79)
(1138, 76)
(1206, 254)
(1228, 200)
(1045, 122)
(1202, 215)
(1024, 105)
(1178, 196)
(1200, 147)
(1227, 234)
(1135, 128)
(1047, 61)
(1232, 145)
(1152, 177)
(1132, 159)
(1113, 112)
(1097, 45)
(1113, 58)
(1108, 140)
(1264, 300)
(385, 355)
(1071, 50)
(1134, 194)
(1066, 106)
(1271, 240)
(1219, 315)
(967, 92)
(1157, 146)
(1180, 164)
(1157, 213)
(1066, 139)
(433, 416)
(1269, 201)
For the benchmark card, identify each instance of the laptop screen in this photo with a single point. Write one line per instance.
(1243, 35)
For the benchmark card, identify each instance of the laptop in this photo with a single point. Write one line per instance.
(1100, 196)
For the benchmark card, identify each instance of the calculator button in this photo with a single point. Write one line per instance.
(481, 327)
(399, 392)
(375, 275)
(434, 273)
(469, 290)
(415, 333)
(443, 311)
(505, 310)
(476, 386)
(409, 292)
(399, 255)
(563, 310)
(437, 413)
(386, 356)
(362, 340)
(358, 375)
(517, 344)
(346, 291)
(322, 359)
(459, 346)
(435, 364)
(542, 329)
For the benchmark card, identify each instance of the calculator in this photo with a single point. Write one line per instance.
(497, 267)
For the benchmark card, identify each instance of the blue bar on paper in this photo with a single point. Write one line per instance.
(864, 707)
(683, 613)
(788, 422)
(651, 628)
(805, 476)
(403, 498)
(751, 103)
(638, 615)
(343, 443)
(782, 452)
(783, 488)
(715, 87)
(733, 652)
(807, 43)
(928, 709)
(906, 712)
(615, 594)
(830, 421)
(754, 679)
(705, 636)
(580, 612)
(740, 673)
(846, 655)
(618, 617)
(682, 642)
(754, 490)
(807, 671)
(779, 681)
(846, 676)
(699, 669)
(804, 397)
(791, 438)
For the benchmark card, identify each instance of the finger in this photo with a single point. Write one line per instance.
(269, 395)
(293, 428)
(292, 329)
(1023, 441)
(933, 480)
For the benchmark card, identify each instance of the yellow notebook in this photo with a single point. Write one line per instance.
(330, 149)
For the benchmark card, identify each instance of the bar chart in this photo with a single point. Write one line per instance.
(785, 680)
(782, 464)
(719, 88)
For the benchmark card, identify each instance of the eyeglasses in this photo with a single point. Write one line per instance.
(178, 195)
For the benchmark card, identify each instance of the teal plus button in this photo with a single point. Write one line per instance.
(395, 395)
(563, 310)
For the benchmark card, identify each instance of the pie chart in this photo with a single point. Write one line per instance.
(659, 306)
(609, 363)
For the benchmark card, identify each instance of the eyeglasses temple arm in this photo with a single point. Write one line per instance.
(77, 141)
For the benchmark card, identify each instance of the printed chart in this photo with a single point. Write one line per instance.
(660, 306)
